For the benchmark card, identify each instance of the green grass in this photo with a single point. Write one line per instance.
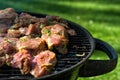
(100, 17)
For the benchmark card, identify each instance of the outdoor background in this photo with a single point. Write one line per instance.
(100, 17)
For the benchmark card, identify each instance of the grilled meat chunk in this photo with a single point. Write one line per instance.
(2, 54)
(33, 29)
(13, 33)
(2, 60)
(22, 61)
(27, 24)
(23, 20)
(8, 13)
(43, 63)
(7, 48)
(13, 41)
(55, 36)
(31, 43)
(7, 17)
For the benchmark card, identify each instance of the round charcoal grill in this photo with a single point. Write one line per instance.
(69, 66)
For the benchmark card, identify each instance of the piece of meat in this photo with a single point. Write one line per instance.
(7, 17)
(7, 48)
(55, 37)
(3, 34)
(14, 33)
(33, 29)
(30, 19)
(23, 30)
(57, 42)
(59, 29)
(13, 41)
(32, 43)
(8, 13)
(22, 61)
(8, 45)
(37, 28)
(2, 60)
(51, 20)
(27, 24)
(43, 63)
(24, 20)
(2, 54)
(43, 22)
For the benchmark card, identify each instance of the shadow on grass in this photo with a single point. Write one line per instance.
(108, 16)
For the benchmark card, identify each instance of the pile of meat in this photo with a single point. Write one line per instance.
(28, 42)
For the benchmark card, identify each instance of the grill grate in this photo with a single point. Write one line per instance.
(79, 47)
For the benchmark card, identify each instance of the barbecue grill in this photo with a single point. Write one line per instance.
(76, 62)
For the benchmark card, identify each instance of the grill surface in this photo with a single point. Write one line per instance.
(79, 47)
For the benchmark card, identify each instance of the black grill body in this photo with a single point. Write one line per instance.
(68, 66)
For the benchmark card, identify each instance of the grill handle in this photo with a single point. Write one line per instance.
(98, 67)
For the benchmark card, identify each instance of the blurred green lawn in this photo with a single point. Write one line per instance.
(100, 17)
